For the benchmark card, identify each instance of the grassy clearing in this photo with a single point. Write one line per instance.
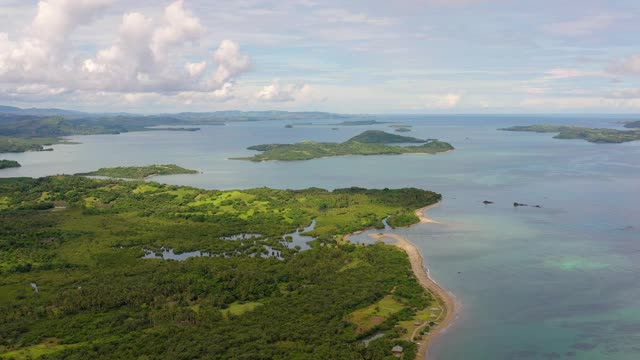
(375, 314)
(238, 309)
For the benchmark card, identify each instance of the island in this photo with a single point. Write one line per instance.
(403, 129)
(371, 142)
(632, 124)
(139, 172)
(77, 283)
(578, 132)
(5, 164)
(360, 123)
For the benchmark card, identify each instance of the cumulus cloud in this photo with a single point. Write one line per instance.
(42, 49)
(145, 57)
(629, 66)
(277, 92)
(195, 69)
(231, 62)
(181, 26)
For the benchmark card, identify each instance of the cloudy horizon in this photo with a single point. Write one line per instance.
(408, 56)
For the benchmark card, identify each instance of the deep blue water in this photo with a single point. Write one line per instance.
(559, 281)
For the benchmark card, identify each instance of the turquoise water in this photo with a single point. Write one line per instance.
(558, 281)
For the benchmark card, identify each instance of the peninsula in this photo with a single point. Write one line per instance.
(95, 295)
(371, 142)
(578, 132)
(5, 164)
(139, 172)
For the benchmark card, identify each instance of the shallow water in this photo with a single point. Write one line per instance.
(558, 281)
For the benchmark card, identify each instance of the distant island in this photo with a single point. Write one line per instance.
(5, 164)
(371, 142)
(361, 122)
(401, 127)
(18, 145)
(632, 124)
(577, 132)
(31, 129)
(289, 126)
(139, 172)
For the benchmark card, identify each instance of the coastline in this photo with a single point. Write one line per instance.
(445, 299)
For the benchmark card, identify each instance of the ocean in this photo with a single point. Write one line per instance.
(555, 282)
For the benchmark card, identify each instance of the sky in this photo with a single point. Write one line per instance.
(369, 56)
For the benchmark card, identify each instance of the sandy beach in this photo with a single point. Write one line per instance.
(423, 218)
(445, 299)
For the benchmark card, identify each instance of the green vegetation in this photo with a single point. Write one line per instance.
(15, 145)
(98, 298)
(5, 164)
(372, 316)
(403, 129)
(584, 133)
(308, 150)
(20, 133)
(139, 172)
(381, 137)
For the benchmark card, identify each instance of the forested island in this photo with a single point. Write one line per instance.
(5, 164)
(74, 283)
(584, 133)
(139, 172)
(371, 142)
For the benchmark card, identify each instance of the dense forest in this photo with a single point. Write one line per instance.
(584, 133)
(381, 137)
(74, 283)
(367, 143)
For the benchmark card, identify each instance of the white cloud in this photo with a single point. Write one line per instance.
(276, 92)
(195, 69)
(41, 52)
(181, 26)
(145, 57)
(230, 63)
(581, 27)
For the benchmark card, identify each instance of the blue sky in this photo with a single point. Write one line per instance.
(403, 56)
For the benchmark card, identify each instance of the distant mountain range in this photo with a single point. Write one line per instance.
(233, 115)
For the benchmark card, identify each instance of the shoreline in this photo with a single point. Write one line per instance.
(445, 299)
